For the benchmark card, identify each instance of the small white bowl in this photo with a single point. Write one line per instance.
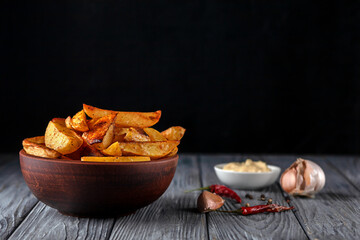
(245, 180)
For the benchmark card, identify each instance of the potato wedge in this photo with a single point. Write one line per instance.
(174, 133)
(154, 135)
(115, 159)
(153, 150)
(102, 132)
(85, 150)
(136, 135)
(119, 133)
(78, 122)
(68, 122)
(173, 152)
(36, 146)
(91, 123)
(125, 119)
(113, 150)
(60, 121)
(59, 138)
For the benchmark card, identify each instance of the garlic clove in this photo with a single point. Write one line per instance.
(208, 201)
(303, 177)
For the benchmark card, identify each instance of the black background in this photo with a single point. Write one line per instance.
(240, 76)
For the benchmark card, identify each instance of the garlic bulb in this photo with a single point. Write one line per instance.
(303, 177)
(208, 201)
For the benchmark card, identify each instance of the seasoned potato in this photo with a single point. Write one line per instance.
(154, 135)
(91, 123)
(119, 133)
(36, 146)
(60, 121)
(173, 152)
(78, 122)
(174, 133)
(153, 150)
(102, 131)
(59, 138)
(136, 135)
(68, 122)
(113, 150)
(84, 150)
(125, 119)
(115, 159)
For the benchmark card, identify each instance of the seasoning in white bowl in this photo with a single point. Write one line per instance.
(247, 166)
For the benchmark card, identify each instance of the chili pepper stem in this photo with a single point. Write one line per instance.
(198, 189)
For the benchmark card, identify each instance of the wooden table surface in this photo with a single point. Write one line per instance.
(333, 214)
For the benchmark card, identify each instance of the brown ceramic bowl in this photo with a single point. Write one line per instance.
(92, 189)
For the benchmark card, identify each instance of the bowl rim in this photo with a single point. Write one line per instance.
(274, 169)
(22, 153)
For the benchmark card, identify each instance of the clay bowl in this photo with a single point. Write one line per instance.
(91, 189)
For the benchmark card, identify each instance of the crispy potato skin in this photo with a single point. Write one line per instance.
(100, 129)
(60, 121)
(174, 133)
(125, 119)
(154, 135)
(136, 135)
(78, 122)
(62, 139)
(113, 150)
(153, 150)
(36, 146)
(173, 152)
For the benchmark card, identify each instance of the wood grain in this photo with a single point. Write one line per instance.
(334, 213)
(47, 223)
(260, 226)
(349, 167)
(173, 216)
(16, 200)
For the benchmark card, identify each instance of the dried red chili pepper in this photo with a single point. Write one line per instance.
(220, 190)
(259, 209)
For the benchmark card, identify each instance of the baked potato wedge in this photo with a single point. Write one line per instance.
(153, 150)
(36, 146)
(78, 122)
(84, 150)
(113, 150)
(102, 132)
(154, 135)
(68, 122)
(174, 133)
(125, 119)
(173, 152)
(119, 133)
(115, 159)
(61, 139)
(60, 121)
(136, 135)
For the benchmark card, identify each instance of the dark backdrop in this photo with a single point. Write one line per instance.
(240, 76)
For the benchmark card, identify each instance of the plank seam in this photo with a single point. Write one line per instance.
(201, 185)
(111, 228)
(343, 175)
(293, 210)
(25, 217)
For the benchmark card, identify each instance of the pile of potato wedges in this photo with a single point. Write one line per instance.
(99, 135)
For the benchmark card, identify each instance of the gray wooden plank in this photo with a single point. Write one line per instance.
(259, 226)
(347, 166)
(45, 222)
(335, 211)
(173, 216)
(16, 200)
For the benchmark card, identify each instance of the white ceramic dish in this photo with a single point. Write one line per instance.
(244, 180)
